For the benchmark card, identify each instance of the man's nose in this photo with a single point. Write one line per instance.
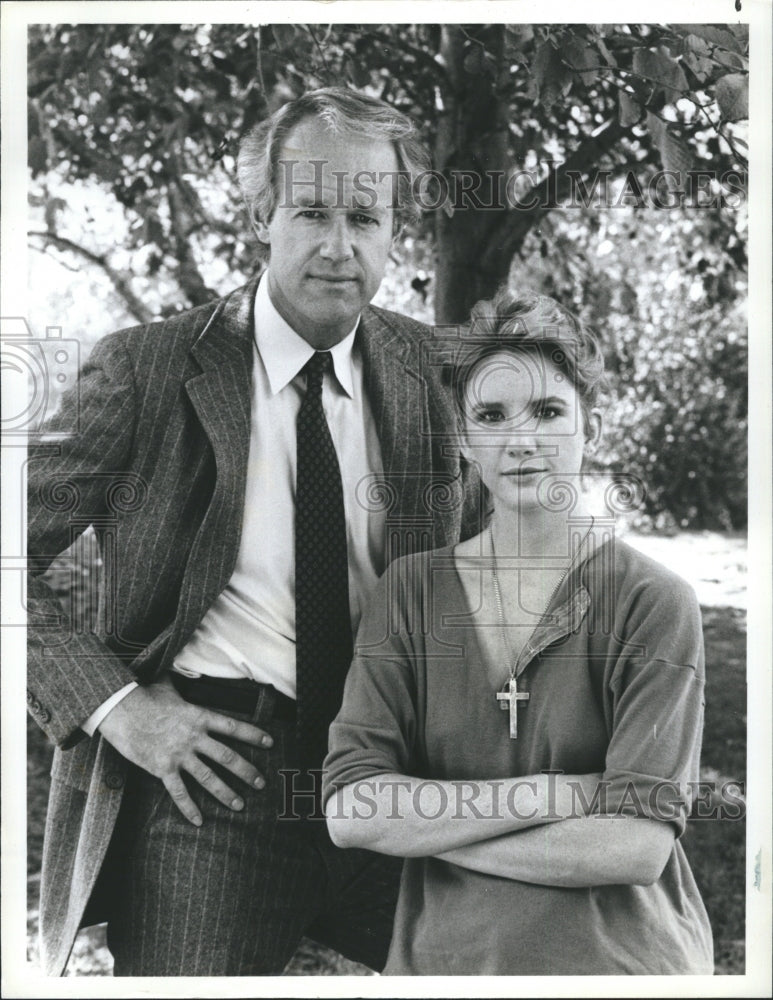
(337, 242)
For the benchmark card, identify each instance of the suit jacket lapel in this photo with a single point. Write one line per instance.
(221, 395)
(398, 400)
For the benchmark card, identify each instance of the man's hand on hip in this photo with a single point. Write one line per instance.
(154, 728)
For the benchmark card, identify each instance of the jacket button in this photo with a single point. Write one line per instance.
(114, 781)
(45, 715)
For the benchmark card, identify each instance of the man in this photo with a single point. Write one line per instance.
(249, 467)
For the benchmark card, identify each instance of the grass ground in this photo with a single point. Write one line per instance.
(716, 848)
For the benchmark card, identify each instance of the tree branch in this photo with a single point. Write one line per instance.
(422, 57)
(121, 284)
(509, 232)
(321, 51)
(259, 66)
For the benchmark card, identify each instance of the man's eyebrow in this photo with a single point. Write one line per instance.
(359, 203)
(375, 210)
(307, 200)
(363, 202)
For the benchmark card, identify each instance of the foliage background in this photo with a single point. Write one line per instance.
(135, 213)
(133, 130)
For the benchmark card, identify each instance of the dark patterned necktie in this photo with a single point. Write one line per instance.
(322, 621)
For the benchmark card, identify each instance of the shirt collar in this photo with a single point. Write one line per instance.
(284, 352)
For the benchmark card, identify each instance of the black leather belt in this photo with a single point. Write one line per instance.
(232, 694)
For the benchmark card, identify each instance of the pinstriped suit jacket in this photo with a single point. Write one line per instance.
(158, 467)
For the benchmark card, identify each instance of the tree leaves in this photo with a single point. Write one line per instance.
(284, 35)
(629, 109)
(701, 65)
(357, 71)
(733, 96)
(582, 59)
(548, 74)
(502, 93)
(674, 154)
(710, 33)
(609, 59)
(478, 60)
(661, 69)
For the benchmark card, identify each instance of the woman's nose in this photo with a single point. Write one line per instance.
(522, 438)
(521, 445)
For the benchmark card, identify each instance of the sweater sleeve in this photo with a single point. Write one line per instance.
(657, 689)
(376, 727)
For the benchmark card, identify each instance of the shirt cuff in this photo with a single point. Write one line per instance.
(93, 721)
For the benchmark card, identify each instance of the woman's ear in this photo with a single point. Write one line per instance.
(594, 426)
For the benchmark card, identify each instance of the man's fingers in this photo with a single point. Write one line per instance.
(231, 760)
(236, 729)
(179, 795)
(154, 728)
(208, 780)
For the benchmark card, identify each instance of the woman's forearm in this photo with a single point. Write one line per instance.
(587, 851)
(416, 817)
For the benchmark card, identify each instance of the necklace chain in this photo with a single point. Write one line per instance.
(498, 596)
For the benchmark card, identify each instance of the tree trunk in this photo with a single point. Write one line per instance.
(475, 245)
(471, 151)
(187, 273)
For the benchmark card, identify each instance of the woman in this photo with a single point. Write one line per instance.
(522, 719)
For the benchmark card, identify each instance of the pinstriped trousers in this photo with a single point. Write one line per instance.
(234, 896)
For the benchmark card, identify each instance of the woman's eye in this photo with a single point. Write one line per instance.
(311, 213)
(490, 416)
(548, 413)
(365, 220)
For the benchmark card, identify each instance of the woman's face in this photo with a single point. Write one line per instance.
(523, 422)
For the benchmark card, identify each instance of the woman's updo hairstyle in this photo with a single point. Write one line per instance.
(530, 323)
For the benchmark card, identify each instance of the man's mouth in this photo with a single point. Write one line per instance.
(524, 471)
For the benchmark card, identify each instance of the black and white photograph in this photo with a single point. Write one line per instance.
(386, 499)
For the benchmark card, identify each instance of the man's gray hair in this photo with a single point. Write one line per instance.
(345, 112)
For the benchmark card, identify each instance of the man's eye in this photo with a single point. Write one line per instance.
(311, 213)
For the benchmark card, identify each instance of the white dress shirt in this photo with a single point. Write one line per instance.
(249, 631)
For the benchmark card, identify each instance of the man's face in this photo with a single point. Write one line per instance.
(331, 231)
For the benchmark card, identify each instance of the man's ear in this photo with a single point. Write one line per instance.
(593, 430)
(261, 229)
